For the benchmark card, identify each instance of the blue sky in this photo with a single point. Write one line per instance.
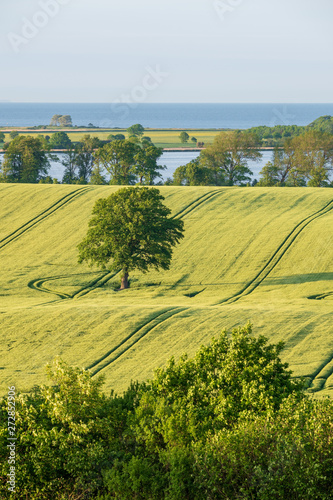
(166, 50)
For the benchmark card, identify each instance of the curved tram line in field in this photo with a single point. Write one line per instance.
(145, 328)
(197, 202)
(133, 338)
(40, 284)
(43, 215)
(278, 255)
(321, 376)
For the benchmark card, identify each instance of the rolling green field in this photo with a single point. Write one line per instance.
(167, 138)
(249, 254)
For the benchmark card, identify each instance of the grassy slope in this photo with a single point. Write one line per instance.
(253, 254)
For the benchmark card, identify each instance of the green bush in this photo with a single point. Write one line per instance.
(229, 423)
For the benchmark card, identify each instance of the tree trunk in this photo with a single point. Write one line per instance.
(124, 281)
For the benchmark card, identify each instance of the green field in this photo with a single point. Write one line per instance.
(167, 138)
(249, 254)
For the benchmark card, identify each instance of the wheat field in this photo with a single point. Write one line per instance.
(262, 255)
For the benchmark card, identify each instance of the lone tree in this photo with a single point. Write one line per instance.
(13, 134)
(65, 121)
(55, 120)
(136, 130)
(131, 230)
(184, 137)
(60, 140)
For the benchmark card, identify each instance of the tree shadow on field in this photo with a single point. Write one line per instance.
(299, 278)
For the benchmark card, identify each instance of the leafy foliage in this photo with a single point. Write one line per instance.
(25, 160)
(229, 423)
(13, 134)
(136, 130)
(193, 174)
(228, 157)
(323, 124)
(225, 381)
(117, 158)
(61, 120)
(68, 432)
(131, 228)
(60, 140)
(305, 158)
(183, 137)
(146, 167)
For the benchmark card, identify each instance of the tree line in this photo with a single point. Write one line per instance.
(303, 160)
(127, 162)
(231, 422)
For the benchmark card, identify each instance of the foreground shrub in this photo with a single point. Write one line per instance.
(230, 378)
(229, 423)
(288, 455)
(67, 434)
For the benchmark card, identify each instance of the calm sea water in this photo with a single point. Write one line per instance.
(203, 116)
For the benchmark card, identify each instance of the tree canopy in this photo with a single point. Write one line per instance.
(136, 130)
(59, 140)
(131, 229)
(228, 157)
(183, 137)
(25, 160)
(146, 167)
(117, 158)
(307, 158)
(232, 377)
(193, 174)
(61, 120)
(13, 134)
(323, 124)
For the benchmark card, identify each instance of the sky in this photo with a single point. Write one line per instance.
(276, 51)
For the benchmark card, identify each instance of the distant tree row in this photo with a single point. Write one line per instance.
(27, 159)
(222, 163)
(305, 160)
(275, 136)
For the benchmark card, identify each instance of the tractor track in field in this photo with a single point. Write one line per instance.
(321, 296)
(196, 203)
(278, 255)
(39, 285)
(319, 381)
(42, 216)
(134, 337)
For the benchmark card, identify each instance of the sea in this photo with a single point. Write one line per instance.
(165, 116)
(154, 115)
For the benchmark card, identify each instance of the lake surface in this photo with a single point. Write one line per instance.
(171, 159)
(201, 116)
